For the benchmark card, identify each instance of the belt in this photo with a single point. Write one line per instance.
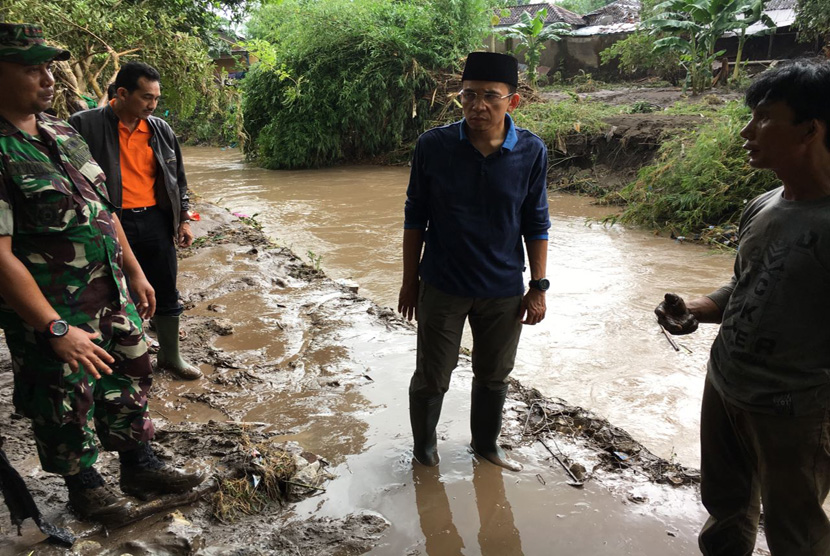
(139, 209)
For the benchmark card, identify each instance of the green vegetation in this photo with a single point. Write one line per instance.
(690, 29)
(752, 11)
(316, 260)
(102, 34)
(216, 120)
(346, 80)
(532, 35)
(698, 180)
(553, 121)
(636, 55)
(813, 22)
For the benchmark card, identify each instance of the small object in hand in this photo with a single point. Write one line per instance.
(674, 316)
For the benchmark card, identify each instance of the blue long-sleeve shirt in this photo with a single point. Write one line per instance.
(475, 210)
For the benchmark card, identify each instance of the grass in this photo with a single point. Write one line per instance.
(265, 479)
(554, 120)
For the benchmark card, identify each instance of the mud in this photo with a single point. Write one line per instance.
(298, 363)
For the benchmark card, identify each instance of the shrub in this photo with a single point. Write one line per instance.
(636, 56)
(698, 180)
(343, 80)
(217, 119)
(553, 121)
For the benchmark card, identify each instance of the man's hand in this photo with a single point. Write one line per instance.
(77, 348)
(533, 307)
(184, 238)
(674, 316)
(145, 296)
(408, 300)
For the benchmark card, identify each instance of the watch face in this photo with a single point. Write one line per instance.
(544, 284)
(58, 328)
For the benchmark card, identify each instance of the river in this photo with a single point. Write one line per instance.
(599, 346)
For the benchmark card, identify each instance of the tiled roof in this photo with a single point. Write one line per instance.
(780, 5)
(555, 14)
(621, 11)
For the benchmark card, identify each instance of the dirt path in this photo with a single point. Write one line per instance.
(296, 362)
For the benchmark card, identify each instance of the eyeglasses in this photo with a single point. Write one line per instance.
(469, 97)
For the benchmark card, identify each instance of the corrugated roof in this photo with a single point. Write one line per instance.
(609, 29)
(621, 11)
(781, 18)
(555, 14)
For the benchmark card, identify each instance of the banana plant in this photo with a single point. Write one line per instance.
(532, 34)
(694, 26)
(753, 12)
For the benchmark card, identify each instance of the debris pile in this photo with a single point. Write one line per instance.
(547, 418)
(264, 474)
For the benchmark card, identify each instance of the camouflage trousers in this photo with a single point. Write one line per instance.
(63, 404)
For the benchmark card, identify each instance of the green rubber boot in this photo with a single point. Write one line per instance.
(485, 424)
(169, 358)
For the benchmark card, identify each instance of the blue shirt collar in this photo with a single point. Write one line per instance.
(510, 139)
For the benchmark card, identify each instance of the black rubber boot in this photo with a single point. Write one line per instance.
(485, 425)
(93, 499)
(142, 473)
(424, 413)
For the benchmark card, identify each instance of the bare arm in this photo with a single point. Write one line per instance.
(413, 243)
(533, 303)
(184, 236)
(705, 310)
(19, 289)
(146, 295)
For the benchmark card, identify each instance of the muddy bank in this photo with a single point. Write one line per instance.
(596, 164)
(661, 97)
(294, 360)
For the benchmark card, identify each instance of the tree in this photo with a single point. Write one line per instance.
(694, 26)
(101, 34)
(532, 34)
(813, 22)
(351, 79)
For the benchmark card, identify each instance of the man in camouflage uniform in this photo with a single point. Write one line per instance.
(78, 353)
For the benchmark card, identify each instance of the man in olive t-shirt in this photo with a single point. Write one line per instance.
(765, 418)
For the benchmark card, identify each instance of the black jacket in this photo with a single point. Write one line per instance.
(99, 126)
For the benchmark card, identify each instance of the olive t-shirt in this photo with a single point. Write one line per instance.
(772, 353)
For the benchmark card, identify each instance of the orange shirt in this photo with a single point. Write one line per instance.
(138, 166)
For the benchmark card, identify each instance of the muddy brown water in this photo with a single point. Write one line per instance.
(319, 367)
(599, 346)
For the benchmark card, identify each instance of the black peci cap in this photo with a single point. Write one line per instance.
(491, 66)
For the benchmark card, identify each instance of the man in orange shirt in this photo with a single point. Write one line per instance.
(146, 181)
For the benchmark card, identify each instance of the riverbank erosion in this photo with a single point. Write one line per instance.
(306, 377)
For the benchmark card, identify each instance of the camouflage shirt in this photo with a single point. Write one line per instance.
(54, 204)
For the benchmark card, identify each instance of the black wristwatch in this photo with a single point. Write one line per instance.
(542, 284)
(56, 329)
